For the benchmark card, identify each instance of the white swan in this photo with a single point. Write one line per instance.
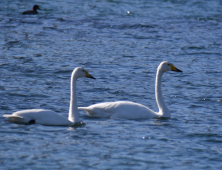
(131, 110)
(47, 117)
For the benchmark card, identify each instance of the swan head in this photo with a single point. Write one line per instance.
(81, 72)
(167, 66)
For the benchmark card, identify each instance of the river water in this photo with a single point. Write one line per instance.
(121, 43)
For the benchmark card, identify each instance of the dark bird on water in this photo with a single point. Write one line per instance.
(33, 11)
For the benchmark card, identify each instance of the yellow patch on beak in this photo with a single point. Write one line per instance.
(174, 68)
(88, 75)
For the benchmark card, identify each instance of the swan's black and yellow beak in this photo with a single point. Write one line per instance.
(88, 75)
(173, 68)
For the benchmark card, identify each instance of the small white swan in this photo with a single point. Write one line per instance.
(131, 110)
(47, 117)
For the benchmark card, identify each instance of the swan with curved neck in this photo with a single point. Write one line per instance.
(47, 117)
(131, 110)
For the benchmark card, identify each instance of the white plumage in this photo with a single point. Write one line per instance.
(131, 110)
(48, 117)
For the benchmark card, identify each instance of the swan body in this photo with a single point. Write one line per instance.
(48, 117)
(131, 110)
(119, 109)
(39, 116)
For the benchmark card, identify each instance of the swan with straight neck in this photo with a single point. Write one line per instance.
(131, 110)
(48, 117)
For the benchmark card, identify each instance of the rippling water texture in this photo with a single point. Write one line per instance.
(121, 43)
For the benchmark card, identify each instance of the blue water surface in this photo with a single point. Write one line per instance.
(121, 43)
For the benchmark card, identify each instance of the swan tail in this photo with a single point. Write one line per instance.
(85, 110)
(95, 112)
(17, 119)
(11, 116)
(88, 111)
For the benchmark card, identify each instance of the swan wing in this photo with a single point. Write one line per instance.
(98, 110)
(40, 116)
(52, 118)
(119, 109)
(17, 119)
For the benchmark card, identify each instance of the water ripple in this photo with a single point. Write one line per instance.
(121, 43)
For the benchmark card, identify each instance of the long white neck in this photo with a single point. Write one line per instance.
(163, 110)
(73, 112)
